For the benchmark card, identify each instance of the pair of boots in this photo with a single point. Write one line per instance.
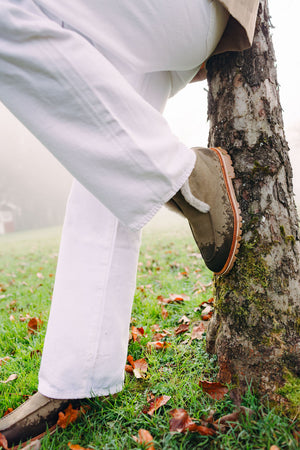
(208, 201)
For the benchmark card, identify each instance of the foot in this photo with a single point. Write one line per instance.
(208, 201)
(32, 419)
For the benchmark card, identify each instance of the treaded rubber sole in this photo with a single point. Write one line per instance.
(229, 175)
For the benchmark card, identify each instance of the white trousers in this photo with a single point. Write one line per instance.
(98, 110)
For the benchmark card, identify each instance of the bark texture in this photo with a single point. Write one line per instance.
(255, 331)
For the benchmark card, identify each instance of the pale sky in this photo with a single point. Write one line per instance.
(186, 112)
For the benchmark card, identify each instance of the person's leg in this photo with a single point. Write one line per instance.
(94, 288)
(87, 114)
(87, 336)
(86, 342)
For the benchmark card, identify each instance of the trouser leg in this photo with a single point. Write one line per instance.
(87, 336)
(86, 343)
(86, 113)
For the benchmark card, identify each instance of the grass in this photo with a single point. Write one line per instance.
(168, 264)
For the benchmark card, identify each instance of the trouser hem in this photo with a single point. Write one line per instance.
(72, 395)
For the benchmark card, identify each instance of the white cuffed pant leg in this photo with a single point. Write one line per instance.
(86, 343)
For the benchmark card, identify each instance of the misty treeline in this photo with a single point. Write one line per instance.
(30, 177)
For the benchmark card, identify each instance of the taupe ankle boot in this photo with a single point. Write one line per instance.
(208, 201)
(32, 418)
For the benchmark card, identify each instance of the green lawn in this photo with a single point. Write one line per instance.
(169, 263)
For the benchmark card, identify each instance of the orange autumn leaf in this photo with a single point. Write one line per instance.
(8, 411)
(76, 447)
(135, 332)
(157, 403)
(173, 298)
(128, 368)
(68, 416)
(34, 324)
(3, 442)
(181, 329)
(157, 345)
(130, 360)
(145, 438)
(179, 297)
(214, 389)
(182, 422)
(207, 316)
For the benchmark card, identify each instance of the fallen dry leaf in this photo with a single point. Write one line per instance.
(77, 447)
(144, 438)
(184, 319)
(157, 403)
(4, 360)
(182, 422)
(173, 298)
(40, 275)
(11, 377)
(136, 332)
(24, 318)
(164, 312)
(139, 367)
(12, 305)
(159, 336)
(3, 442)
(8, 411)
(68, 416)
(179, 297)
(34, 324)
(157, 345)
(130, 360)
(128, 368)
(197, 332)
(214, 389)
(223, 423)
(183, 328)
(207, 316)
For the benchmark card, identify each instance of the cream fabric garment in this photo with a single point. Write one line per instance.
(84, 14)
(144, 35)
(241, 25)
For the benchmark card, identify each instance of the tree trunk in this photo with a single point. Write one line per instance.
(255, 330)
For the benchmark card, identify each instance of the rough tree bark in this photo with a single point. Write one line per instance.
(255, 330)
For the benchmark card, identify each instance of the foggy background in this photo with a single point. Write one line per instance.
(38, 186)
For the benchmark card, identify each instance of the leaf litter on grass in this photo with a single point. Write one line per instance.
(173, 372)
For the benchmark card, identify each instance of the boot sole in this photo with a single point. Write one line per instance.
(51, 431)
(229, 175)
